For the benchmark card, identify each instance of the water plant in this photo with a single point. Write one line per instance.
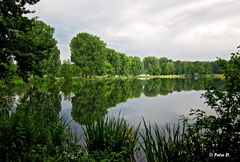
(110, 138)
(163, 143)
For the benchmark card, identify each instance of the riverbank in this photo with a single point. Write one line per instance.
(18, 81)
(220, 76)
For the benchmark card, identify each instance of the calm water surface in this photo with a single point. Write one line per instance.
(158, 101)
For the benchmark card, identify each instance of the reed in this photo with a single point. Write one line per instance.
(163, 144)
(106, 136)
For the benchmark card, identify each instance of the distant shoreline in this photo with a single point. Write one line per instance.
(220, 76)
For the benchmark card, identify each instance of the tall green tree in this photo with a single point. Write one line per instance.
(114, 59)
(216, 69)
(163, 65)
(136, 65)
(66, 70)
(169, 69)
(88, 52)
(40, 54)
(28, 43)
(108, 69)
(218, 133)
(178, 67)
(76, 70)
(125, 64)
(13, 25)
(151, 65)
(188, 68)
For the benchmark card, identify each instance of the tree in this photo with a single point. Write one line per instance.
(28, 43)
(66, 71)
(125, 64)
(108, 69)
(88, 52)
(136, 65)
(207, 67)
(188, 68)
(169, 69)
(151, 65)
(40, 54)
(13, 27)
(114, 59)
(216, 69)
(178, 67)
(76, 70)
(219, 133)
(163, 64)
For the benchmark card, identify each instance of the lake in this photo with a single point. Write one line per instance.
(39, 104)
(158, 101)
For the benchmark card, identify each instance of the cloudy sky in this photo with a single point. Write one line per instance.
(177, 29)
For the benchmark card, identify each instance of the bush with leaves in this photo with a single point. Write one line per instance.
(219, 133)
(203, 137)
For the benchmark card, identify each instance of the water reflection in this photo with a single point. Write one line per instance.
(29, 118)
(96, 96)
(90, 97)
(31, 99)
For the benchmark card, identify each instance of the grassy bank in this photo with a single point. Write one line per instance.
(220, 76)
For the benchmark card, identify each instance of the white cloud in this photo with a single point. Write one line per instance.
(186, 29)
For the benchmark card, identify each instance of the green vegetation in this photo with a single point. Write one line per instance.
(27, 46)
(164, 144)
(202, 137)
(39, 104)
(91, 55)
(88, 53)
(32, 130)
(110, 139)
(94, 97)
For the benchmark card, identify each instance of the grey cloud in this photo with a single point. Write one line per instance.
(186, 29)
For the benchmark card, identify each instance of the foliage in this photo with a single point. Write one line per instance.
(87, 52)
(206, 137)
(136, 66)
(28, 43)
(41, 56)
(31, 129)
(93, 97)
(163, 144)
(221, 131)
(66, 70)
(114, 59)
(71, 153)
(26, 136)
(203, 137)
(110, 136)
(151, 65)
(91, 55)
(163, 62)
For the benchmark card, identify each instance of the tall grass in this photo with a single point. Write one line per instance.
(110, 138)
(163, 144)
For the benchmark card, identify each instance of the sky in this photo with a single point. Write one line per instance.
(176, 29)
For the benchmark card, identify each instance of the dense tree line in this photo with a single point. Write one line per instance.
(92, 57)
(165, 66)
(28, 48)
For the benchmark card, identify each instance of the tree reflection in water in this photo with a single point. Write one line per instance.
(93, 97)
